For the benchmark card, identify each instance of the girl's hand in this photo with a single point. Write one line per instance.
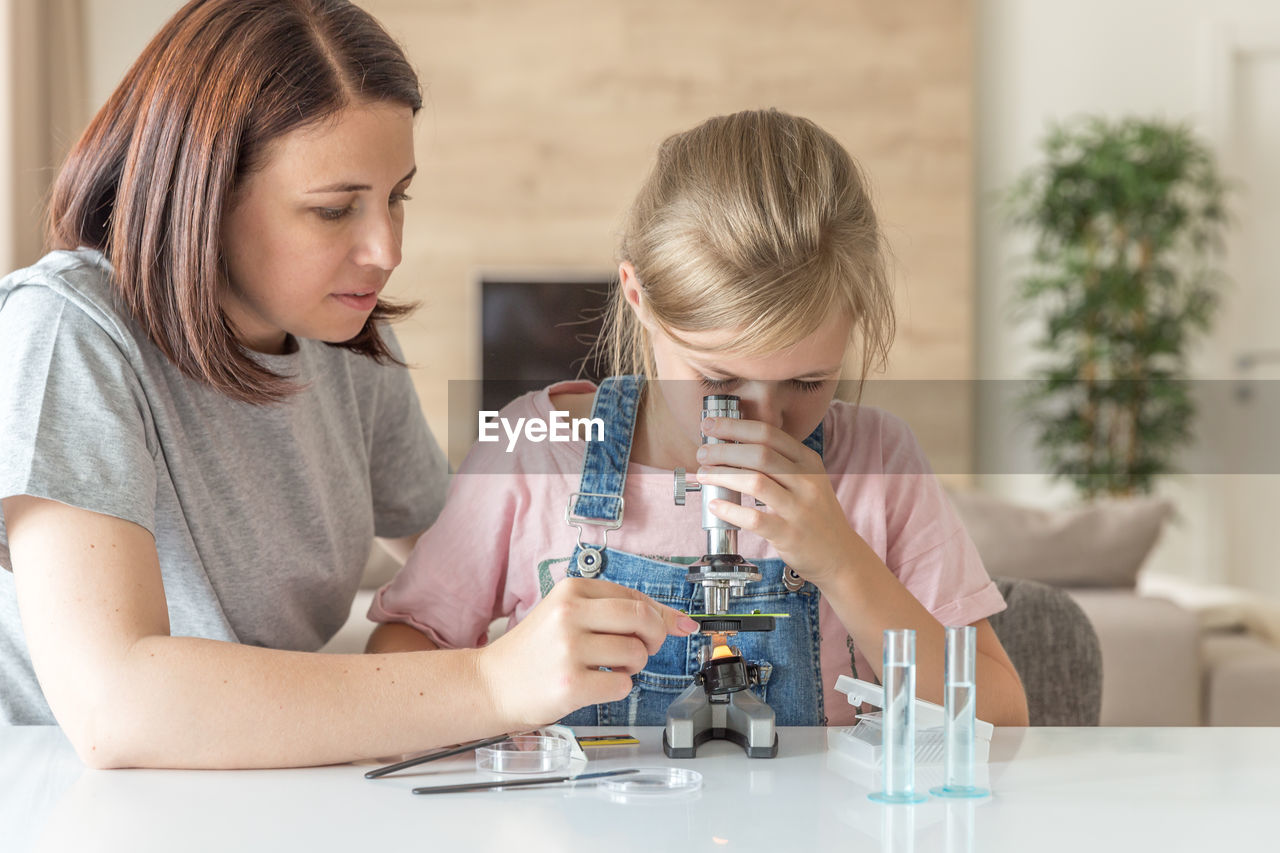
(550, 663)
(801, 517)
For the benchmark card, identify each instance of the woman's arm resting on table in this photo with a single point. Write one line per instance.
(553, 658)
(128, 694)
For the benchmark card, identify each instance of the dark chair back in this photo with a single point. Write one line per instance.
(1054, 648)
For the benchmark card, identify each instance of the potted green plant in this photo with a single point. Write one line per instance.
(1128, 218)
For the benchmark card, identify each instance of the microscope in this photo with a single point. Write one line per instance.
(718, 704)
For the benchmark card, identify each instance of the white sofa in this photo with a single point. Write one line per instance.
(1173, 653)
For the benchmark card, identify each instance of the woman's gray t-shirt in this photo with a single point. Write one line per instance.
(263, 516)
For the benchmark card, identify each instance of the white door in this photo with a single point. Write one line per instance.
(1243, 109)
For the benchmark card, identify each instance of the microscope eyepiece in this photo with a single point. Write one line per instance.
(721, 572)
(720, 406)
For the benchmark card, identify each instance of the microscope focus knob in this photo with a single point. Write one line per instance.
(791, 579)
(683, 486)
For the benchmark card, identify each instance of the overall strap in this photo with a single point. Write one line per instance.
(604, 466)
(814, 441)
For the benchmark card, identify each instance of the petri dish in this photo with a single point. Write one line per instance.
(524, 754)
(653, 782)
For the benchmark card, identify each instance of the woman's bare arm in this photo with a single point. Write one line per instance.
(128, 694)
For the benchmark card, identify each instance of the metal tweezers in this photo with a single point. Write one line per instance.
(432, 756)
(503, 784)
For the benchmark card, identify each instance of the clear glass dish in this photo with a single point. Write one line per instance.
(653, 782)
(524, 754)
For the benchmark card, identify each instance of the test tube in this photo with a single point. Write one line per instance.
(959, 708)
(898, 724)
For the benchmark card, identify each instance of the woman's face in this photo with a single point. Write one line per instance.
(313, 234)
(790, 389)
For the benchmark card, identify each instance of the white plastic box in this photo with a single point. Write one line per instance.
(862, 742)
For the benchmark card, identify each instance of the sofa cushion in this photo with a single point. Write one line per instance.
(1102, 544)
(1151, 669)
(1242, 680)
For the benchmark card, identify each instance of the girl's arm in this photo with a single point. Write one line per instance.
(128, 694)
(810, 531)
(397, 637)
(868, 599)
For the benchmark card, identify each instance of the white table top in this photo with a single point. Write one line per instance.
(1055, 789)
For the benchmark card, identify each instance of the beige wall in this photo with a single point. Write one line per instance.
(42, 98)
(8, 121)
(543, 117)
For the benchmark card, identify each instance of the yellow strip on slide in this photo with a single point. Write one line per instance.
(588, 741)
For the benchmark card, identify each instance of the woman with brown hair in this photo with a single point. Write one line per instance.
(206, 421)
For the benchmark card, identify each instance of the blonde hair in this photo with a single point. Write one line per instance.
(757, 221)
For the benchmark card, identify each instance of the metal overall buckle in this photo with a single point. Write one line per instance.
(591, 558)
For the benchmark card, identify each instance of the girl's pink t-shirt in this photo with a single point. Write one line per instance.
(502, 536)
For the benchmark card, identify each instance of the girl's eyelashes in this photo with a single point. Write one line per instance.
(713, 385)
(808, 386)
(400, 198)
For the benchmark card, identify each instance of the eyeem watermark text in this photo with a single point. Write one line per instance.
(559, 427)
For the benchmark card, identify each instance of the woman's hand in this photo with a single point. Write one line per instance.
(801, 517)
(550, 664)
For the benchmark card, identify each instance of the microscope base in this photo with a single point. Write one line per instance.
(693, 719)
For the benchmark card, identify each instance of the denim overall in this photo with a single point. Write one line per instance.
(790, 678)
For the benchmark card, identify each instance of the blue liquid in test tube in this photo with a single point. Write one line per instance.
(959, 709)
(898, 729)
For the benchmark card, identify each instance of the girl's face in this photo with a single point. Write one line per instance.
(790, 389)
(313, 234)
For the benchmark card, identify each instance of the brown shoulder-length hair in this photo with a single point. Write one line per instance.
(153, 175)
